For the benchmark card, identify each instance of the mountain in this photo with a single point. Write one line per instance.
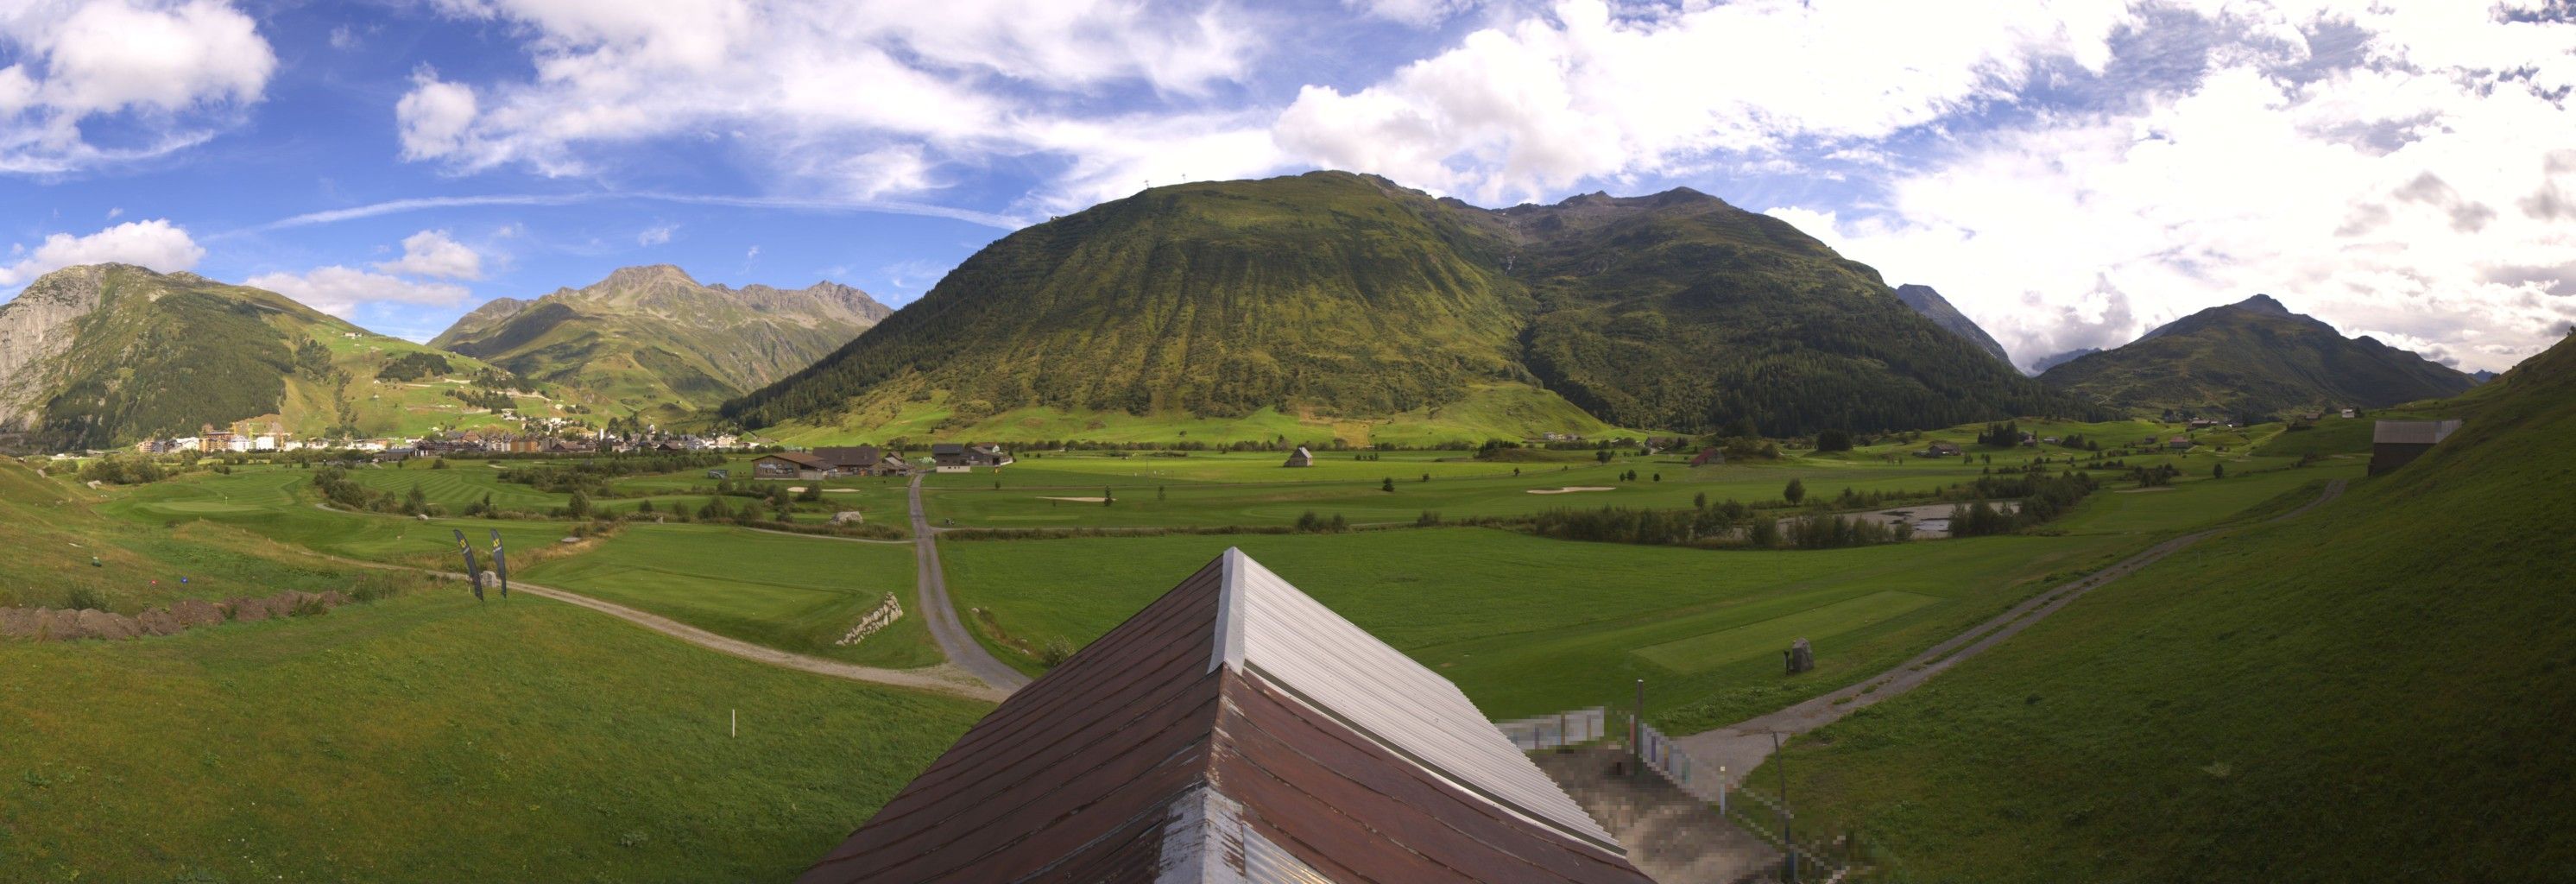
(2253, 357)
(1928, 302)
(654, 340)
(2482, 376)
(1341, 299)
(102, 355)
(2045, 363)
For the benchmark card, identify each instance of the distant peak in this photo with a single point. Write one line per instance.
(2265, 304)
(648, 274)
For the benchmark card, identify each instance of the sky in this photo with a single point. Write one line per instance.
(2069, 174)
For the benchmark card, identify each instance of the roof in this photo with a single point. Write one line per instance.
(939, 448)
(2411, 432)
(1233, 730)
(854, 456)
(799, 458)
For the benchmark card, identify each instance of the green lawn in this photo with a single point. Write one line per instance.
(2375, 691)
(1527, 625)
(797, 594)
(265, 502)
(431, 738)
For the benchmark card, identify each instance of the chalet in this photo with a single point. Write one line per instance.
(2179, 443)
(954, 457)
(1940, 449)
(792, 465)
(1709, 457)
(860, 460)
(1300, 458)
(2395, 444)
(2202, 423)
(1235, 730)
(2350, 413)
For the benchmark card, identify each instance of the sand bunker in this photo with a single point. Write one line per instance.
(1079, 499)
(1571, 489)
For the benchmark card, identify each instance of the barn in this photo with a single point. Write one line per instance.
(1234, 730)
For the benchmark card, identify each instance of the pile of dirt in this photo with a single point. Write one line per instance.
(51, 624)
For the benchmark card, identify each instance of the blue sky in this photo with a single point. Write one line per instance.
(2068, 173)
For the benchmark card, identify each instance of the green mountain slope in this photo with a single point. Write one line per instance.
(2253, 357)
(1331, 296)
(2377, 690)
(653, 340)
(1927, 301)
(102, 355)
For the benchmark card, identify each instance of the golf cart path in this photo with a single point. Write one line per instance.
(1740, 747)
(961, 648)
(943, 678)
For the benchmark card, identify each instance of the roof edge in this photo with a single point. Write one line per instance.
(1228, 649)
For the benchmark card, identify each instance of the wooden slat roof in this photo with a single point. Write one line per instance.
(1201, 741)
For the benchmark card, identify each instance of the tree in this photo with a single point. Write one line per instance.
(1387, 485)
(1795, 493)
(1833, 440)
(2218, 471)
(415, 501)
(1602, 455)
(1699, 501)
(579, 507)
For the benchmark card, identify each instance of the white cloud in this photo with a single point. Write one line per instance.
(339, 291)
(171, 71)
(1586, 92)
(859, 100)
(433, 253)
(656, 235)
(1418, 13)
(156, 244)
(2402, 197)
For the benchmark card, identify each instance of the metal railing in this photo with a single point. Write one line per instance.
(1563, 729)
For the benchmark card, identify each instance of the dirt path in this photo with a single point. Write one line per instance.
(960, 647)
(943, 678)
(1742, 746)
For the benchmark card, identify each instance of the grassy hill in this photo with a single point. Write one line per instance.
(2375, 691)
(1344, 299)
(654, 341)
(102, 355)
(2253, 357)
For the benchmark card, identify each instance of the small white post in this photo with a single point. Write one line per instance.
(1721, 790)
(733, 723)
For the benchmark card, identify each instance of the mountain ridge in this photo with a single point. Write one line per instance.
(2254, 357)
(1927, 301)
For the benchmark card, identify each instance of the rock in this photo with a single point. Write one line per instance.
(196, 612)
(101, 624)
(849, 517)
(159, 621)
(1801, 657)
(571, 540)
(19, 623)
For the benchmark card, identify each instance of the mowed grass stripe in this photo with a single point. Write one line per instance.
(1703, 652)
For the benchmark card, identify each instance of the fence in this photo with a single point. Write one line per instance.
(1759, 814)
(1553, 731)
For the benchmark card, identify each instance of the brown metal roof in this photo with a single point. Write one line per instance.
(1151, 757)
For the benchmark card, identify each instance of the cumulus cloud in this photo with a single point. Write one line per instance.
(1588, 92)
(170, 74)
(858, 99)
(339, 290)
(156, 244)
(656, 235)
(433, 253)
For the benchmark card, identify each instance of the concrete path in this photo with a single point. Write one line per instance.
(943, 678)
(1742, 746)
(960, 646)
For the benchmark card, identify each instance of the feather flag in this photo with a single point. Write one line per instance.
(473, 574)
(500, 565)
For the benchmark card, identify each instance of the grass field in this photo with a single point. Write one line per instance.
(2376, 691)
(1486, 411)
(430, 738)
(802, 596)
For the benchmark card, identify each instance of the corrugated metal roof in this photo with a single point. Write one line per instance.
(1207, 740)
(1285, 635)
(2411, 432)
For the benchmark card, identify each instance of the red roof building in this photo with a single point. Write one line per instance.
(1234, 730)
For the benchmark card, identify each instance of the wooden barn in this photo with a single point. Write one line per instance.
(1234, 730)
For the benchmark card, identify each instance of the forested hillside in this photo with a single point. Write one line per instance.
(2253, 358)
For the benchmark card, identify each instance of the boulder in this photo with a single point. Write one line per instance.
(1801, 657)
(849, 517)
(159, 621)
(101, 624)
(196, 612)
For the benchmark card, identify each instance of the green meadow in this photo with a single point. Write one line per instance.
(796, 594)
(2373, 691)
(427, 737)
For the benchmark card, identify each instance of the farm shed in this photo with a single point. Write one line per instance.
(791, 465)
(2395, 444)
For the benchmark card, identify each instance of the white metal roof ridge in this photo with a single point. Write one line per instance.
(1206, 842)
(1265, 624)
